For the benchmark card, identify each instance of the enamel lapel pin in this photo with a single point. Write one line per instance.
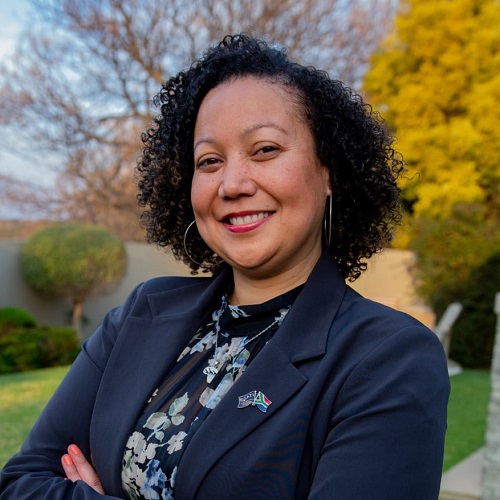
(254, 398)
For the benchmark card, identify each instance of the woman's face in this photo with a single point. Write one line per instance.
(258, 189)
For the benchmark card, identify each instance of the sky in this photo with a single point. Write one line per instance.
(13, 17)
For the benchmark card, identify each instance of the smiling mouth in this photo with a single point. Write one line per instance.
(247, 219)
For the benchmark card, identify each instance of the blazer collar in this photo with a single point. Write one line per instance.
(304, 332)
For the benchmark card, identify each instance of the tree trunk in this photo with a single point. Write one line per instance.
(76, 320)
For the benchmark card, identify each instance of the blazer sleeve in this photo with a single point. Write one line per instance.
(36, 471)
(386, 434)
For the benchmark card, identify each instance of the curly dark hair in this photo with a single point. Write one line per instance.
(350, 140)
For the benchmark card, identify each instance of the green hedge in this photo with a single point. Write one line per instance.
(15, 316)
(29, 348)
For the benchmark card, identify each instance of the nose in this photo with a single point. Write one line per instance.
(236, 179)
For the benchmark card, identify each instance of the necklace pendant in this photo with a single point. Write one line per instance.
(210, 370)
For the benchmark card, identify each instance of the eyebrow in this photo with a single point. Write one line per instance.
(247, 131)
(258, 126)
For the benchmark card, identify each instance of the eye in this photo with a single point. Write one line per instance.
(207, 162)
(266, 152)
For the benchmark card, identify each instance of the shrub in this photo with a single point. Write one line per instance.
(28, 348)
(75, 261)
(15, 316)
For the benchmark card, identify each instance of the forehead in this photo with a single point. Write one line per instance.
(250, 98)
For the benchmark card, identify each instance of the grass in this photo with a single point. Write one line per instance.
(23, 396)
(467, 414)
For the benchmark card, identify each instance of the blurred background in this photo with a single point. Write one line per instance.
(77, 78)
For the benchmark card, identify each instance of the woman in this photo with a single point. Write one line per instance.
(271, 379)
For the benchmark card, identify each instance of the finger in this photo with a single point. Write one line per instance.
(84, 470)
(69, 468)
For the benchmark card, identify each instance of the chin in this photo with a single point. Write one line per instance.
(262, 269)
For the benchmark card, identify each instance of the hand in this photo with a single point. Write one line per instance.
(77, 467)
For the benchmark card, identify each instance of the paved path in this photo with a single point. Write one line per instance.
(463, 481)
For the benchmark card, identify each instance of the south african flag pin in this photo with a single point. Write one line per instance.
(254, 398)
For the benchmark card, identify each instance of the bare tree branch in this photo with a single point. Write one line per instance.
(81, 81)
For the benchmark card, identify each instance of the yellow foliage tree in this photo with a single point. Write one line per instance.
(436, 78)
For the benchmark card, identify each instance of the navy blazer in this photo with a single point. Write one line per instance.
(358, 390)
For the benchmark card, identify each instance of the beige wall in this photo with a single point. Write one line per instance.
(144, 262)
(387, 280)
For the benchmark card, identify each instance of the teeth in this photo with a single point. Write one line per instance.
(238, 221)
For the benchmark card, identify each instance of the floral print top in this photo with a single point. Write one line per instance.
(214, 359)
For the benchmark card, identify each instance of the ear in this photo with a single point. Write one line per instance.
(326, 172)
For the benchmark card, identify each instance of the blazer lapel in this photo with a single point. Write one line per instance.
(275, 372)
(144, 351)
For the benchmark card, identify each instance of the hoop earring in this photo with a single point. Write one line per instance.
(327, 220)
(185, 247)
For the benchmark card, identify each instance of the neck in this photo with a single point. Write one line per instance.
(250, 289)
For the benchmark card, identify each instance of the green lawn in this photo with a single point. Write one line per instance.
(467, 413)
(23, 396)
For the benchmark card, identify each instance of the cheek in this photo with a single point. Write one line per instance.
(198, 194)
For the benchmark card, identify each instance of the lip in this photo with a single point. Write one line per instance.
(254, 219)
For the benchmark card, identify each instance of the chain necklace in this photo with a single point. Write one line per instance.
(215, 365)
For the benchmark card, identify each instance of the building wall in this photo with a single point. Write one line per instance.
(387, 280)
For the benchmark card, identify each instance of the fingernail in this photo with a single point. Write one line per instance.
(67, 460)
(74, 449)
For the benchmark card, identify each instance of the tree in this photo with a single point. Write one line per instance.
(437, 79)
(75, 261)
(82, 79)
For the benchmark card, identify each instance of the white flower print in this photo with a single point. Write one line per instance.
(218, 313)
(136, 440)
(236, 312)
(157, 422)
(229, 350)
(205, 396)
(178, 405)
(175, 442)
(153, 395)
(173, 476)
(178, 419)
(205, 343)
(211, 398)
(240, 361)
(149, 452)
(132, 474)
(282, 316)
(185, 352)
